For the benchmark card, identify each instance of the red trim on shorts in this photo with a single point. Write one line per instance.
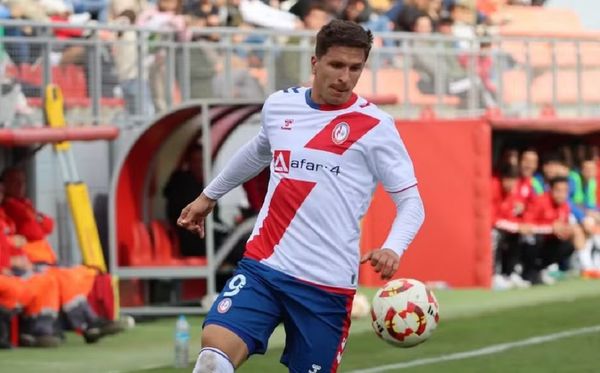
(344, 337)
(402, 190)
(330, 289)
(287, 199)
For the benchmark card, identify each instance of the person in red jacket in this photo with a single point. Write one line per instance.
(508, 207)
(75, 283)
(550, 220)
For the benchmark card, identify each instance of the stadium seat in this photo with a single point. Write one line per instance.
(525, 20)
(391, 82)
(566, 84)
(140, 252)
(164, 250)
(71, 79)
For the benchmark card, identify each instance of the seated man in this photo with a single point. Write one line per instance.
(75, 283)
(508, 207)
(35, 295)
(583, 197)
(556, 230)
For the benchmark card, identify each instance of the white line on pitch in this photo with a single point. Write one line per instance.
(493, 349)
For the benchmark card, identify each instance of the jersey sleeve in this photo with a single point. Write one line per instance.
(246, 163)
(389, 159)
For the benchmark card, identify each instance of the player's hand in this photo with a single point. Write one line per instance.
(385, 261)
(193, 215)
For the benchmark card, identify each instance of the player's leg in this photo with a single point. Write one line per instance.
(316, 323)
(222, 350)
(240, 321)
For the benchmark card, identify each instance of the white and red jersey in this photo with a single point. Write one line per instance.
(326, 163)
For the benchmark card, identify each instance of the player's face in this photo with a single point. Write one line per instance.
(560, 193)
(336, 74)
(509, 184)
(529, 163)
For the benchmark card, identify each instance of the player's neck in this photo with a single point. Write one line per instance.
(314, 100)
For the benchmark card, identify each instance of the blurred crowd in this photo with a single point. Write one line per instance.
(546, 221)
(122, 76)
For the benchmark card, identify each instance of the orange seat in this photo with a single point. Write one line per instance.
(566, 84)
(391, 82)
(164, 248)
(525, 20)
(140, 253)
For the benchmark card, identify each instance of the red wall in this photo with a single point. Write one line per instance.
(453, 168)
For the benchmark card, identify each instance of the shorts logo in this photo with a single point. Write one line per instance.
(281, 161)
(340, 133)
(224, 305)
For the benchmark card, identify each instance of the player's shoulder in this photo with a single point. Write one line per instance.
(287, 95)
(368, 108)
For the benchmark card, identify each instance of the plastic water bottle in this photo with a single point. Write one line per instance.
(182, 341)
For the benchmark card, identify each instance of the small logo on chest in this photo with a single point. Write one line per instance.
(282, 161)
(340, 133)
(287, 124)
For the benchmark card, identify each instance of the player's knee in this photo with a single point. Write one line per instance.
(212, 360)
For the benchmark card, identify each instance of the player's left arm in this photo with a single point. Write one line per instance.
(392, 166)
(410, 215)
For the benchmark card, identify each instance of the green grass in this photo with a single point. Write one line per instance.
(470, 319)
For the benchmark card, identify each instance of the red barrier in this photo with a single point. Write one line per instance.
(452, 163)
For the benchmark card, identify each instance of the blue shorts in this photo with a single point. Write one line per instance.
(316, 321)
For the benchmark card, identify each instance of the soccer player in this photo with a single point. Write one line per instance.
(327, 148)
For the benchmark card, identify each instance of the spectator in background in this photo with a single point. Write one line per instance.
(553, 165)
(257, 13)
(508, 208)
(134, 83)
(184, 183)
(74, 283)
(36, 294)
(98, 9)
(23, 53)
(583, 197)
(117, 7)
(551, 221)
(437, 73)
(165, 16)
(203, 13)
(360, 11)
(288, 62)
(529, 186)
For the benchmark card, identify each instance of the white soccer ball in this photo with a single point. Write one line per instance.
(405, 313)
(360, 306)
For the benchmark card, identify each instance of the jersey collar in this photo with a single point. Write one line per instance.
(327, 107)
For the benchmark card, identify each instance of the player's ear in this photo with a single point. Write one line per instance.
(313, 62)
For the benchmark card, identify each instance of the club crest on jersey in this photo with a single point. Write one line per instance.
(340, 133)
(224, 305)
(287, 124)
(281, 161)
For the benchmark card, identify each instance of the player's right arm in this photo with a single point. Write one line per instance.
(251, 159)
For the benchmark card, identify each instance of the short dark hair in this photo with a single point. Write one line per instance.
(338, 33)
(558, 179)
(554, 157)
(509, 171)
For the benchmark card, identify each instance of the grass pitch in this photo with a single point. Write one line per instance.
(471, 320)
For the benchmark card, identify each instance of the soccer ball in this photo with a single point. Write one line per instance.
(360, 306)
(404, 312)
